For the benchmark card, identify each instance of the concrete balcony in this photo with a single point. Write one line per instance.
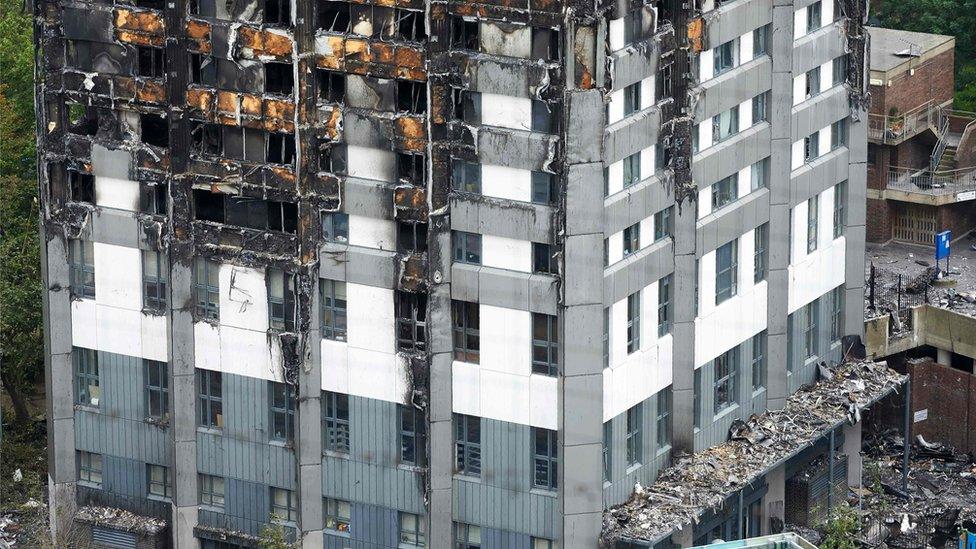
(931, 188)
(892, 130)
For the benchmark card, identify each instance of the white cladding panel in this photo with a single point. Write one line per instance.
(506, 111)
(506, 253)
(118, 276)
(370, 232)
(505, 182)
(121, 194)
(370, 163)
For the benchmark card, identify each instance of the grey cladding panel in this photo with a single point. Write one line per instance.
(631, 65)
(821, 111)
(735, 19)
(818, 48)
(624, 477)
(732, 221)
(515, 148)
(734, 87)
(819, 175)
(632, 134)
(722, 160)
(498, 217)
(635, 204)
(638, 271)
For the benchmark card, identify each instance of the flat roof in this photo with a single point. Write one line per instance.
(892, 48)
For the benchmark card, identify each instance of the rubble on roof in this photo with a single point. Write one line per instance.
(703, 481)
(120, 519)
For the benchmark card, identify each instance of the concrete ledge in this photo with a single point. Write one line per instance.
(637, 271)
(532, 292)
(499, 217)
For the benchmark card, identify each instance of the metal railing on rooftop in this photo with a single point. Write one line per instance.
(926, 182)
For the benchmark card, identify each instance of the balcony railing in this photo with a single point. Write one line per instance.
(891, 130)
(958, 183)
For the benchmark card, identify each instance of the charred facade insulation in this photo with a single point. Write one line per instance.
(235, 119)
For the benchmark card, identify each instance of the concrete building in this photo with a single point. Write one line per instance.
(921, 152)
(431, 273)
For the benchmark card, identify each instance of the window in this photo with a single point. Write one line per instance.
(544, 458)
(634, 26)
(158, 481)
(759, 173)
(725, 125)
(607, 449)
(811, 312)
(412, 530)
(633, 322)
(336, 410)
(813, 214)
(282, 411)
(664, 402)
(152, 198)
(465, 176)
(279, 78)
(206, 288)
(760, 265)
(759, 361)
(468, 536)
(664, 310)
(545, 187)
(335, 227)
(665, 81)
(541, 543)
(277, 12)
(813, 82)
(412, 168)
(338, 515)
(606, 337)
(725, 57)
(411, 237)
(811, 146)
(760, 40)
(464, 34)
(82, 119)
(726, 379)
(89, 468)
(411, 321)
(211, 399)
(157, 389)
(545, 43)
(153, 280)
(207, 139)
(87, 389)
(203, 69)
(696, 401)
(543, 260)
(726, 271)
(151, 62)
(813, 17)
(211, 490)
(413, 436)
(632, 170)
(545, 116)
(467, 247)
(154, 130)
(411, 96)
(81, 255)
(410, 25)
(467, 444)
(467, 106)
(281, 300)
(545, 344)
(631, 239)
(283, 505)
(467, 343)
(632, 99)
(332, 86)
(82, 186)
(760, 108)
(635, 450)
(840, 210)
(725, 191)
(334, 16)
(839, 69)
(838, 134)
(663, 223)
(281, 148)
(836, 314)
(333, 309)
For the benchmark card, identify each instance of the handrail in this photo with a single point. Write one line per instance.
(940, 146)
(928, 182)
(893, 129)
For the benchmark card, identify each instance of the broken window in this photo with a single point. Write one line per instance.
(277, 12)
(760, 263)
(467, 339)
(210, 384)
(81, 256)
(82, 120)
(154, 275)
(811, 146)
(153, 198)
(279, 78)
(211, 490)
(207, 139)
(151, 62)
(632, 98)
(663, 223)
(633, 322)
(465, 176)
(545, 117)
(725, 57)
(157, 389)
(151, 4)
(154, 129)
(467, 247)
(465, 34)
(662, 156)
(664, 402)
(206, 288)
(335, 227)
(726, 379)
(665, 311)
(545, 461)
(411, 321)
(725, 191)
(545, 187)
(87, 389)
(89, 468)
(634, 26)
(411, 168)
(333, 297)
(545, 344)
(332, 86)
(467, 106)
(813, 82)
(813, 225)
(545, 44)
(664, 81)
(632, 170)
(759, 361)
(413, 436)
(634, 435)
(333, 16)
(631, 239)
(203, 69)
(332, 157)
(411, 25)
(726, 271)
(282, 217)
(281, 300)
(208, 206)
(411, 96)
(411, 237)
(336, 422)
(840, 202)
(282, 397)
(467, 445)
(542, 258)
(82, 186)
(158, 481)
(281, 148)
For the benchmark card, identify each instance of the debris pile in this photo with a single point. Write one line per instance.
(703, 481)
(120, 519)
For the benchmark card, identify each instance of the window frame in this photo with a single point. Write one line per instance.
(467, 445)
(664, 223)
(813, 223)
(211, 399)
(285, 303)
(290, 509)
(811, 313)
(82, 271)
(726, 367)
(548, 345)
(633, 435)
(759, 366)
(760, 263)
(466, 328)
(814, 23)
(633, 322)
(413, 435)
(338, 515)
(840, 208)
(466, 247)
(281, 408)
(158, 392)
(632, 170)
(206, 289)
(410, 315)
(337, 436)
(335, 311)
(725, 57)
(631, 239)
(665, 404)
(154, 281)
(836, 314)
(88, 469)
(416, 536)
(208, 491)
(543, 259)
(335, 227)
(153, 484)
(545, 458)
(632, 99)
(665, 310)
(467, 536)
(725, 191)
(732, 124)
(86, 369)
(725, 290)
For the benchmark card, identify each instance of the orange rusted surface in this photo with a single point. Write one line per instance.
(200, 99)
(227, 102)
(151, 91)
(333, 125)
(124, 87)
(285, 174)
(696, 31)
(250, 104)
(254, 43)
(411, 198)
(147, 22)
(197, 30)
(140, 39)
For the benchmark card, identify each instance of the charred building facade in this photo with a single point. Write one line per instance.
(431, 273)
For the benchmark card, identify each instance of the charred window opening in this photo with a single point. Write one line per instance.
(208, 206)
(412, 168)
(279, 78)
(545, 117)
(277, 12)
(244, 143)
(467, 106)
(151, 4)
(665, 82)
(207, 139)
(411, 25)
(203, 69)
(545, 187)
(411, 237)
(411, 321)
(283, 217)
(411, 96)
(153, 198)
(467, 333)
(634, 26)
(281, 300)
(154, 129)
(332, 157)
(251, 213)
(152, 62)
(82, 186)
(281, 148)
(546, 44)
(82, 120)
(465, 34)
(332, 86)
(542, 258)
(372, 21)
(334, 16)
(465, 176)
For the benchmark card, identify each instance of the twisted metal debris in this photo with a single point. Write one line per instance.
(120, 519)
(703, 481)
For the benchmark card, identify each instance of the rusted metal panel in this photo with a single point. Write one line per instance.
(268, 44)
(198, 33)
(410, 203)
(696, 35)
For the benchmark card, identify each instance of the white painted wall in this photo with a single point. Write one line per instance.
(512, 42)
(506, 253)
(797, 155)
(616, 34)
(705, 134)
(799, 23)
(826, 13)
(706, 65)
(814, 274)
(615, 112)
(243, 298)
(121, 194)
(506, 111)
(370, 163)
(370, 232)
(505, 182)
(799, 88)
(746, 46)
(615, 178)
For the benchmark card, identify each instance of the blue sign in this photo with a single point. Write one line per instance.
(942, 244)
